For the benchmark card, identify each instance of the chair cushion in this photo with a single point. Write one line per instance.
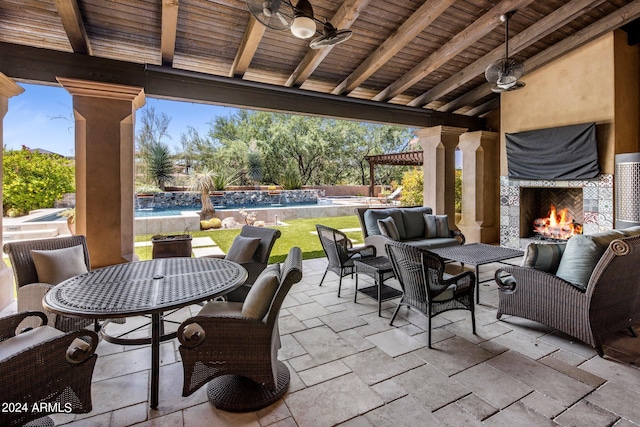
(27, 339)
(243, 249)
(631, 231)
(414, 221)
(57, 265)
(259, 298)
(582, 254)
(388, 228)
(543, 256)
(436, 226)
(371, 217)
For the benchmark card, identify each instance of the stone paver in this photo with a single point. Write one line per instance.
(349, 367)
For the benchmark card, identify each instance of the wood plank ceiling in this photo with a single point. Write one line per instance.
(427, 54)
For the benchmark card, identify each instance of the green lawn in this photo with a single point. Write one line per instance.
(297, 232)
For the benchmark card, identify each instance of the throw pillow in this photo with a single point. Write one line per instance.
(543, 256)
(582, 254)
(436, 226)
(371, 217)
(57, 265)
(388, 228)
(258, 300)
(242, 249)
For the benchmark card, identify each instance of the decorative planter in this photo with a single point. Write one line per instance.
(171, 246)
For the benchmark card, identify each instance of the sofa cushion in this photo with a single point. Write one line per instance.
(436, 226)
(243, 249)
(582, 254)
(388, 228)
(371, 217)
(543, 256)
(56, 265)
(631, 231)
(436, 242)
(413, 221)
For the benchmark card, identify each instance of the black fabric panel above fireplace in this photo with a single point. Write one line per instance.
(560, 153)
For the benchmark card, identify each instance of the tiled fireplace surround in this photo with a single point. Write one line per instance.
(597, 202)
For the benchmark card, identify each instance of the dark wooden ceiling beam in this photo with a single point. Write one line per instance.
(343, 19)
(609, 23)
(247, 49)
(532, 34)
(414, 25)
(465, 38)
(73, 25)
(484, 108)
(169, 29)
(42, 66)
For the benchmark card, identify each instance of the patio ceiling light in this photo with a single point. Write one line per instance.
(283, 15)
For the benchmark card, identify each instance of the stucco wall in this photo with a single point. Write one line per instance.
(577, 88)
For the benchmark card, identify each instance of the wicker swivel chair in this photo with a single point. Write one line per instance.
(426, 287)
(44, 367)
(259, 261)
(340, 253)
(30, 289)
(234, 349)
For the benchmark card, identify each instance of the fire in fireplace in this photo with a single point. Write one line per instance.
(559, 225)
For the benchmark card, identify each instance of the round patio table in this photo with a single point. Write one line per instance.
(145, 287)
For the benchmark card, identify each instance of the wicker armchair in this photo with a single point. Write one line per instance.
(44, 367)
(426, 287)
(260, 259)
(340, 253)
(610, 303)
(30, 289)
(236, 354)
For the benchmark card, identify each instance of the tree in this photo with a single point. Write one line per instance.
(153, 154)
(33, 180)
(413, 187)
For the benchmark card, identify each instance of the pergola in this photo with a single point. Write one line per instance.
(408, 158)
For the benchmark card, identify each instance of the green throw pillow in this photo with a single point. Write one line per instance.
(543, 256)
(388, 228)
(436, 226)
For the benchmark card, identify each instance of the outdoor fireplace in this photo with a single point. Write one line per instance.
(551, 212)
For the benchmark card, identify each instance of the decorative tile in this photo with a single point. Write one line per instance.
(504, 210)
(514, 211)
(590, 229)
(605, 194)
(590, 193)
(590, 217)
(606, 180)
(514, 200)
(504, 200)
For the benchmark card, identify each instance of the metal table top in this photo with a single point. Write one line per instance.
(477, 253)
(144, 287)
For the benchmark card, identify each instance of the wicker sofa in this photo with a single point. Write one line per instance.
(410, 223)
(587, 287)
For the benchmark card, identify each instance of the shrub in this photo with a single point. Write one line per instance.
(291, 179)
(413, 183)
(33, 180)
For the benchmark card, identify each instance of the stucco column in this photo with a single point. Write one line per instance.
(104, 121)
(480, 186)
(8, 89)
(439, 167)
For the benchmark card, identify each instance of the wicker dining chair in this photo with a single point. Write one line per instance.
(44, 367)
(234, 346)
(426, 286)
(340, 253)
(256, 262)
(30, 288)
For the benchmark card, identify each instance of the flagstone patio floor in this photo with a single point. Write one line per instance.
(349, 367)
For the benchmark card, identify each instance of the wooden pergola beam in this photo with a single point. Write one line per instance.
(465, 38)
(37, 65)
(169, 29)
(247, 49)
(414, 25)
(609, 23)
(343, 19)
(532, 34)
(73, 25)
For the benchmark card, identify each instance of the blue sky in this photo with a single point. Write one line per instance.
(42, 117)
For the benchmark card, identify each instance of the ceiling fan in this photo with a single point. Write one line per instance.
(283, 15)
(504, 73)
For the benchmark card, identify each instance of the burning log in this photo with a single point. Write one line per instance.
(557, 225)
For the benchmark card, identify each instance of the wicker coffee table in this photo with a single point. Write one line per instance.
(478, 254)
(380, 269)
(146, 287)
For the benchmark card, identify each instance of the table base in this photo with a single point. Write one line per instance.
(118, 338)
(235, 393)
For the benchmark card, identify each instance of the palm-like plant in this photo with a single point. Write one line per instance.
(254, 166)
(203, 182)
